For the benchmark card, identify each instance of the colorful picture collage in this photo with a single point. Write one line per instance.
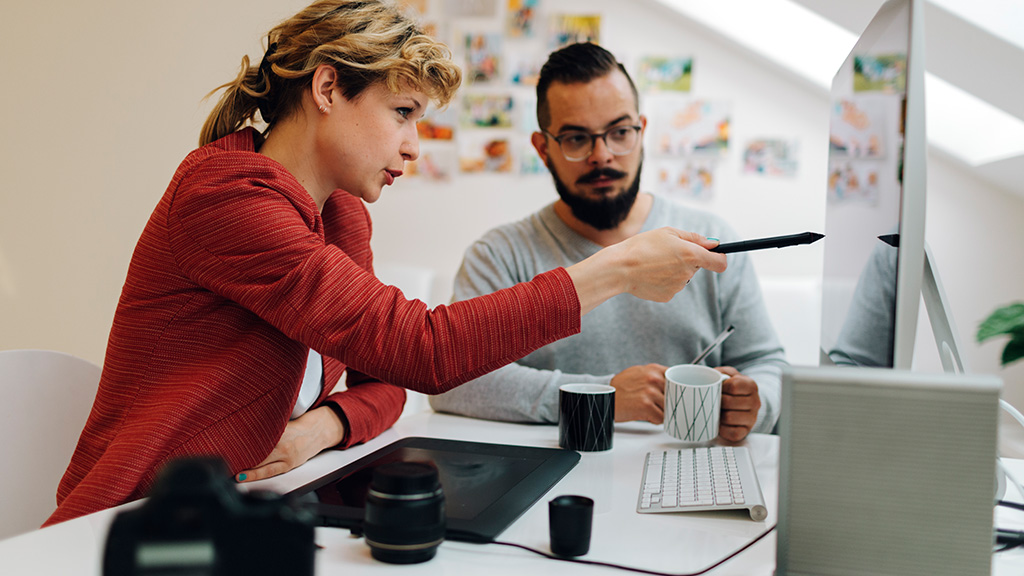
(501, 45)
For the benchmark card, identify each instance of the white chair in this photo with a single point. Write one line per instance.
(417, 284)
(794, 307)
(47, 398)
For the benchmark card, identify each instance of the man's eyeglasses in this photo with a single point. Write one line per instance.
(577, 145)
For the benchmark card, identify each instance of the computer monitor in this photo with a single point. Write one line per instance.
(876, 262)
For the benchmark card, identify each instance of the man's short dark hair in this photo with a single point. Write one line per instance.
(576, 63)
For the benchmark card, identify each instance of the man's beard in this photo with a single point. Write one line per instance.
(604, 213)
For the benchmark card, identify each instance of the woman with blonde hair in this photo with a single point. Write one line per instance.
(251, 290)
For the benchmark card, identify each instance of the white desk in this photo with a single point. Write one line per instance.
(664, 542)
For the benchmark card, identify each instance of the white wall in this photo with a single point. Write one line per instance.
(101, 102)
(103, 99)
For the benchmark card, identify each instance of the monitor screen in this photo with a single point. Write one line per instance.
(874, 221)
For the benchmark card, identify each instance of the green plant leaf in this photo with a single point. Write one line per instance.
(1014, 350)
(1006, 320)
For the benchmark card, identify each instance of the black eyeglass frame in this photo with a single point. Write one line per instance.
(593, 140)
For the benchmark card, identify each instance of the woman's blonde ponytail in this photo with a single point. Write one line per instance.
(367, 42)
(237, 105)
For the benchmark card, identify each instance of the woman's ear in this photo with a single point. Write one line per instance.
(325, 80)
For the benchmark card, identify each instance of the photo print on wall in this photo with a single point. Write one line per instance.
(770, 157)
(886, 73)
(484, 151)
(688, 127)
(664, 74)
(572, 28)
(521, 20)
(683, 178)
(483, 58)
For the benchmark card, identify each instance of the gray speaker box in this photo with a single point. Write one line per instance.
(886, 472)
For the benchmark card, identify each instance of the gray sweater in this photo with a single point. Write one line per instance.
(622, 332)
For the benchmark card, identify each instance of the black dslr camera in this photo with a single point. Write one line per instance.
(197, 523)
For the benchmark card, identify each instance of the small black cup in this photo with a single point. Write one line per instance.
(404, 520)
(569, 522)
(586, 417)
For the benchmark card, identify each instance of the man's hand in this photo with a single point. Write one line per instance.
(640, 393)
(303, 438)
(740, 403)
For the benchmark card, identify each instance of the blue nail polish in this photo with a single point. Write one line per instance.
(241, 477)
(712, 239)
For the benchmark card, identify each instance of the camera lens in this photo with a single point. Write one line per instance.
(404, 520)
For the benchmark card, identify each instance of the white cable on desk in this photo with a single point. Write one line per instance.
(1020, 418)
(1013, 411)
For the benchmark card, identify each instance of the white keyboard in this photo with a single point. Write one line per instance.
(700, 479)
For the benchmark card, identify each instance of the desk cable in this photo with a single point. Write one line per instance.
(640, 570)
(1010, 538)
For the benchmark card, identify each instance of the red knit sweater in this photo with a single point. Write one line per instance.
(235, 277)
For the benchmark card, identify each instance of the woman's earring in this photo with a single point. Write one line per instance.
(323, 109)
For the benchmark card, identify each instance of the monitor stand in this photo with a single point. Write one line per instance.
(947, 339)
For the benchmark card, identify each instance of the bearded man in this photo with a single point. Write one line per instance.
(591, 141)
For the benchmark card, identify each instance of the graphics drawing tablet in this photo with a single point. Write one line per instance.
(486, 486)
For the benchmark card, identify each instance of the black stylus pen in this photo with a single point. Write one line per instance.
(711, 347)
(891, 239)
(773, 242)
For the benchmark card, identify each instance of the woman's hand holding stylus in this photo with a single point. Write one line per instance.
(654, 265)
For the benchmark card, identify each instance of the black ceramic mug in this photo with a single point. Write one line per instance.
(586, 415)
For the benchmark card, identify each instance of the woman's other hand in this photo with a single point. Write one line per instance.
(303, 438)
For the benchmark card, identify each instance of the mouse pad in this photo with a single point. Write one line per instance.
(486, 486)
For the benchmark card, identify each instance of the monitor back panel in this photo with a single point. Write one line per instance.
(886, 472)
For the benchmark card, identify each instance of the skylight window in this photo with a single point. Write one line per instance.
(967, 127)
(1001, 18)
(783, 31)
(813, 47)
